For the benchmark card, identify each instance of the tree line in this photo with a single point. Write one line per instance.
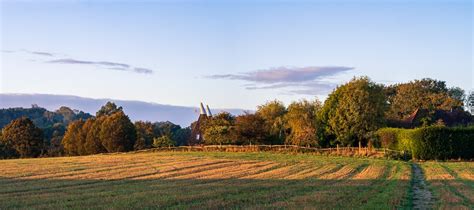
(111, 130)
(349, 116)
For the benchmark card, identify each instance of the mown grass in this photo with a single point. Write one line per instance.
(207, 180)
(452, 184)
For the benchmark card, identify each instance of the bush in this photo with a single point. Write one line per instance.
(163, 141)
(438, 143)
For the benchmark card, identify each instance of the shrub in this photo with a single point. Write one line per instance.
(163, 141)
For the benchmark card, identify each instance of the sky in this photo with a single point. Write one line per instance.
(229, 54)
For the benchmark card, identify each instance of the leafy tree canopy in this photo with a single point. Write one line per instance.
(354, 110)
(250, 129)
(108, 109)
(118, 133)
(273, 113)
(22, 136)
(218, 129)
(302, 122)
(428, 94)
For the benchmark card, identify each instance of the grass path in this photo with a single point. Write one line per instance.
(422, 197)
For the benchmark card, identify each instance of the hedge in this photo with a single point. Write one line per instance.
(430, 143)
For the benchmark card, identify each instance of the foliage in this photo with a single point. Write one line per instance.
(273, 113)
(163, 141)
(218, 129)
(23, 137)
(144, 135)
(53, 124)
(41, 117)
(302, 122)
(425, 94)
(470, 103)
(118, 133)
(181, 136)
(249, 129)
(73, 137)
(175, 132)
(354, 110)
(435, 142)
(165, 128)
(93, 143)
(352, 113)
(53, 137)
(89, 137)
(108, 109)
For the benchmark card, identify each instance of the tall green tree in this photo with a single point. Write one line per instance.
(354, 111)
(24, 137)
(218, 129)
(74, 138)
(302, 122)
(273, 113)
(250, 129)
(118, 133)
(93, 143)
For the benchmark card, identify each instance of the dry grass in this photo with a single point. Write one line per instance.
(452, 183)
(209, 180)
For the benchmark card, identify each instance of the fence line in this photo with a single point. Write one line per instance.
(344, 151)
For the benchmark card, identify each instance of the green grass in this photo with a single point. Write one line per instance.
(204, 180)
(452, 183)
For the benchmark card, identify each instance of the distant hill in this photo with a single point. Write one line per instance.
(136, 110)
(42, 117)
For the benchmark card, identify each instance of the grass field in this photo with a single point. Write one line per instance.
(220, 180)
(451, 183)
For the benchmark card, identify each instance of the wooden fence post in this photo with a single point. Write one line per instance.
(360, 147)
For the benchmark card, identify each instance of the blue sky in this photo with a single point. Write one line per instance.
(229, 54)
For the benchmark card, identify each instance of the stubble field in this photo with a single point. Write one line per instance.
(228, 180)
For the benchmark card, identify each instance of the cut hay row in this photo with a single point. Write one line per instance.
(371, 172)
(342, 173)
(436, 172)
(88, 178)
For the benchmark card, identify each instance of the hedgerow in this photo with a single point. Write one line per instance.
(430, 143)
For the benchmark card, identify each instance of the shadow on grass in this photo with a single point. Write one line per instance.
(202, 193)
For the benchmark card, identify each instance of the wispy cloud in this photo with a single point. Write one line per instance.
(285, 74)
(297, 80)
(103, 64)
(143, 70)
(42, 53)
